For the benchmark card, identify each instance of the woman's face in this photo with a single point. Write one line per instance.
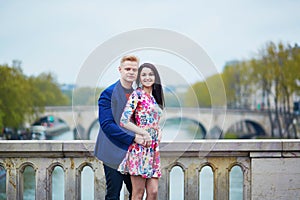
(147, 77)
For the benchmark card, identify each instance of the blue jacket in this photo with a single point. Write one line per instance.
(112, 141)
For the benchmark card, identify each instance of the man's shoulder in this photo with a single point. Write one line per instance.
(110, 88)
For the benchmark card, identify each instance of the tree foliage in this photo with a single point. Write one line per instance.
(47, 90)
(22, 97)
(274, 77)
(198, 95)
(207, 93)
(86, 96)
(269, 81)
(15, 101)
(236, 80)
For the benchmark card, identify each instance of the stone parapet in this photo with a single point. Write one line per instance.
(270, 167)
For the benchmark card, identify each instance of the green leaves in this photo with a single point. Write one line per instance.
(21, 97)
(14, 90)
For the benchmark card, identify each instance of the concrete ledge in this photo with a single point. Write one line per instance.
(265, 154)
(289, 145)
(224, 145)
(78, 145)
(52, 148)
(30, 145)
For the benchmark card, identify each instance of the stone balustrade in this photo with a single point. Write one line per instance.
(270, 168)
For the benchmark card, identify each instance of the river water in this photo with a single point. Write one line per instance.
(172, 131)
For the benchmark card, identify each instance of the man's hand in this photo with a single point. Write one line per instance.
(139, 139)
(143, 140)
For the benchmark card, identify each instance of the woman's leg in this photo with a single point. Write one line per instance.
(138, 187)
(152, 188)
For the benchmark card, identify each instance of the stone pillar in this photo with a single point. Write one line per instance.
(11, 179)
(71, 191)
(221, 176)
(99, 181)
(41, 179)
(163, 184)
(192, 180)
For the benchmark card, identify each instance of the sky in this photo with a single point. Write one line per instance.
(58, 36)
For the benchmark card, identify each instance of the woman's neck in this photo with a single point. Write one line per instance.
(148, 90)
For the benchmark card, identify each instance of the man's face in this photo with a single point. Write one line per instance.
(129, 71)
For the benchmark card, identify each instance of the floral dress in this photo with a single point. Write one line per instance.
(141, 160)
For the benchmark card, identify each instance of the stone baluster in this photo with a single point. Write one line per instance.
(221, 176)
(71, 188)
(192, 180)
(11, 179)
(41, 190)
(163, 185)
(99, 180)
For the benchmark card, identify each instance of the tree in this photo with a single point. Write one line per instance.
(201, 92)
(207, 93)
(276, 73)
(85, 96)
(22, 98)
(46, 91)
(14, 92)
(237, 84)
(262, 80)
(273, 75)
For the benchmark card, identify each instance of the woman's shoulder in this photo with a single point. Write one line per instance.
(138, 91)
(137, 94)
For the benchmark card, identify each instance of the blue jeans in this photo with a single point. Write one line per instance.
(114, 182)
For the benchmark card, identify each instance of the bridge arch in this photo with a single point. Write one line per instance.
(209, 119)
(185, 125)
(245, 128)
(194, 126)
(92, 134)
(214, 133)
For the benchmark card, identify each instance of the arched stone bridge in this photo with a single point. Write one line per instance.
(84, 118)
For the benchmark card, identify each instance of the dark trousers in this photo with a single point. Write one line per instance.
(114, 182)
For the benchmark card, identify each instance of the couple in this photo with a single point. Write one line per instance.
(129, 134)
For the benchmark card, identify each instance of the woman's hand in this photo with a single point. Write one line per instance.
(159, 135)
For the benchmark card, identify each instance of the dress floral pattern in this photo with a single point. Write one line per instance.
(140, 160)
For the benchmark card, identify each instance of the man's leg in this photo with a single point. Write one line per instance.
(128, 184)
(114, 182)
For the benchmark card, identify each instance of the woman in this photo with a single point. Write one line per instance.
(144, 107)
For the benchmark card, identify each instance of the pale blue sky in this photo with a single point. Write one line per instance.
(59, 35)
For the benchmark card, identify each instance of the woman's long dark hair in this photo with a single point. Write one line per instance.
(157, 90)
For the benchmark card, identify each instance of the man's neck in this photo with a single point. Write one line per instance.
(125, 84)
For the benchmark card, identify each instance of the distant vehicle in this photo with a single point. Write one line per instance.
(38, 133)
(13, 134)
(53, 126)
(47, 122)
(9, 134)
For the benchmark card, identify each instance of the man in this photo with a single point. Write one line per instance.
(113, 141)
